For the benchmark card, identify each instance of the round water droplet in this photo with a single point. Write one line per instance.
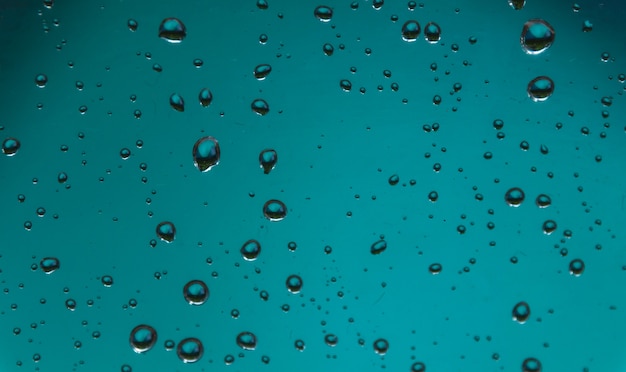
(299, 344)
(262, 4)
(198, 62)
(177, 102)
(205, 97)
(531, 365)
(418, 367)
(50, 264)
(107, 280)
(514, 197)
(206, 153)
(381, 346)
(196, 292)
(410, 31)
(70, 304)
(323, 13)
(190, 350)
(274, 210)
(576, 267)
(294, 283)
(378, 247)
(433, 196)
(537, 36)
(142, 338)
(172, 30)
(345, 85)
(517, 4)
(10, 146)
(260, 106)
(331, 340)
(250, 250)
(435, 268)
(166, 231)
(125, 153)
(267, 160)
(377, 4)
(549, 227)
(62, 177)
(328, 49)
(246, 340)
(432, 32)
(41, 80)
(261, 71)
(521, 312)
(393, 179)
(543, 201)
(132, 25)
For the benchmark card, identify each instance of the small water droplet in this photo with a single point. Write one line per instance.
(177, 102)
(543, 201)
(205, 97)
(378, 247)
(132, 25)
(381, 346)
(41, 80)
(345, 85)
(274, 210)
(246, 340)
(328, 49)
(418, 367)
(172, 30)
(267, 160)
(521, 312)
(540, 88)
(435, 268)
(517, 4)
(514, 196)
(331, 340)
(107, 280)
(260, 106)
(300, 345)
(323, 13)
(531, 365)
(410, 30)
(261, 71)
(250, 250)
(190, 350)
(549, 227)
(587, 26)
(166, 231)
(576, 267)
(50, 264)
(196, 292)
(377, 4)
(537, 36)
(142, 338)
(294, 284)
(206, 153)
(262, 4)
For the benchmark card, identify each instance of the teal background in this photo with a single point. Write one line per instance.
(336, 152)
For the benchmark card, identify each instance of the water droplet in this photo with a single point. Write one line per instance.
(517, 4)
(172, 30)
(540, 88)
(432, 32)
(261, 71)
(267, 160)
(125, 153)
(190, 350)
(198, 62)
(166, 231)
(205, 97)
(126, 368)
(435, 268)
(299, 344)
(206, 153)
(514, 196)
(381, 346)
(246, 340)
(50, 264)
(196, 292)
(433, 196)
(331, 340)
(418, 367)
(393, 179)
(323, 13)
(250, 250)
(70, 304)
(142, 338)
(543, 201)
(177, 102)
(531, 365)
(260, 106)
(377, 4)
(410, 30)
(378, 247)
(48, 3)
(262, 4)
(62, 177)
(132, 25)
(328, 49)
(41, 80)
(107, 280)
(587, 26)
(576, 267)
(294, 284)
(10, 146)
(549, 227)
(521, 312)
(274, 210)
(537, 36)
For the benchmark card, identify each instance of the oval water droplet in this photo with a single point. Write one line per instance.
(205, 97)
(132, 24)
(323, 13)
(517, 4)
(432, 32)
(531, 365)
(549, 227)
(142, 338)
(261, 71)
(381, 346)
(177, 102)
(10, 146)
(543, 201)
(294, 283)
(206, 153)
(328, 49)
(260, 106)
(378, 247)
(274, 210)
(435, 268)
(166, 231)
(418, 367)
(514, 196)
(246, 340)
(50, 264)
(195, 292)
(41, 80)
(331, 340)
(172, 30)
(250, 250)
(410, 30)
(537, 36)
(540, 88)
(345, 85)
(521, 312)
(267, 160)
(190, 350)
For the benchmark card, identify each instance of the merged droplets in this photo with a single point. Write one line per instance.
(540, 88)
(521, 312)
(514, 197)
(190, 350)
(142, 338)
(177, 102)
(410, 30)
(261, 71)
(267, 160)
(323, 13)
(250, 250)
(206, 153)
(166, 231)
(537, 36)
(10, 146)
(260, 106)
(294, 283)
(246, 340)
(381, 346)
(41, 80)
(49, 264)
(196, 292)
(432, 32)
(274, 210)
(172, 30)
(205, 97)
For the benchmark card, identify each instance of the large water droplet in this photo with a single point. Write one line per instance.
(49, 264)
(540, 88)
(267, 160)
(261, 71)
(537, 36)
(206, 153)
(381, 346)
(517, 4)
(142, 338)
(323, 13)
(250, 250)
(196, 292)
(410, 31)
(294, 283)
(190, 350)
(274, 210)
(172, 30)
(521, 312)
(205, 97)
(549, 227)
(514, 196)
(260, 106)
(177, 102)
(432, 32)
(331, 340)
(166, 231)
(10, 146)
(246, 340)
(576, 267)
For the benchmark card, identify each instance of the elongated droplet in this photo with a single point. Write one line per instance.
(177, 102)
(206, 153)
(267, 160)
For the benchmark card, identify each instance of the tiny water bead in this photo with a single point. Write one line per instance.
(267, 160)
(514, 197)
(10, 146)
(531, 365)
(142, 338)
(410, 30)
(294, 284)
(540, 88)
(250, 250)
(432, 32)
(261, 71)
(260, 106)
(378, 247)
(172, 30)
(205, 97)
(537, 36)
(381, 346)
(246, 340)
(190, 350)
(274, 210)
(323, 13)
(177, 102)
(166, 231)
(195, 292)
(49, 264)
(132, 24)
(576, 267)
(41, 80)
(521, 312)
(206, 153)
